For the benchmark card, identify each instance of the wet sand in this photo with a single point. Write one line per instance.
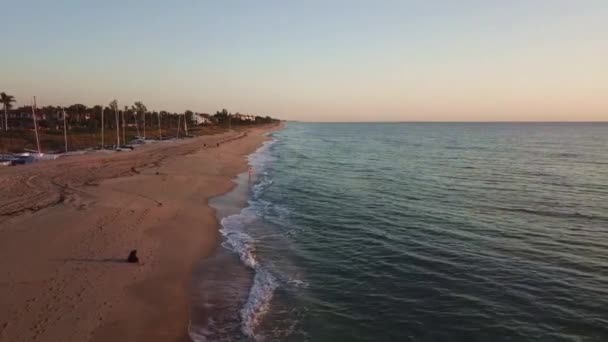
(67, 225)
(221, 282)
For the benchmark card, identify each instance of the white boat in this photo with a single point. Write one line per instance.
(40, 156)
(73, 153)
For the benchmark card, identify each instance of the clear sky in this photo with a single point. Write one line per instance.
(315, 60)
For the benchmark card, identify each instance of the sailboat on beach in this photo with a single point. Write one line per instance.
(37, 155)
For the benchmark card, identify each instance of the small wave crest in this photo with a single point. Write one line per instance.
(264, 283)
(258, 301)
(236, 239)
(258, 188)
(261, 157)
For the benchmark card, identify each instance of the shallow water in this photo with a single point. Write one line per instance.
(415, 232)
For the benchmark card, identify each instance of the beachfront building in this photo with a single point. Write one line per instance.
(202, 119)
(243, 117)
(26, 114)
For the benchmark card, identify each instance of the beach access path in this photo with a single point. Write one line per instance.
(66, 227)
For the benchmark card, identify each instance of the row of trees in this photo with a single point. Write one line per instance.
(82, 118)
(224, 117)
(79, 117)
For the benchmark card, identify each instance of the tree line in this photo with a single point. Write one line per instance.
(79, 117)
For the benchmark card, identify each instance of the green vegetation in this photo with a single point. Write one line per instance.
(224, 117)
(97, 125)
(7, 102)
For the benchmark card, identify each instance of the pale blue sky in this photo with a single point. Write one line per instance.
(315, 60)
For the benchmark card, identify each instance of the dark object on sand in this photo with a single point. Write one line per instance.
(204, 145)
(133, 257)
(218, 144)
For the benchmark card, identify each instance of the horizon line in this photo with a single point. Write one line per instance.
(430, 121)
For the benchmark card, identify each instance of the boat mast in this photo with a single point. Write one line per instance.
(144, 112)
(65, 132)
(102, 137)
(36, 125)
(136, 121)
(124, 137)
(186, 123)
(117, 127)
(160, 133)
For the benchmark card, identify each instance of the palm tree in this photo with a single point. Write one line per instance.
(6, 101)
(140, 108)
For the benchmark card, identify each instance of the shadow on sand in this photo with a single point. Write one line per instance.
(103, 260)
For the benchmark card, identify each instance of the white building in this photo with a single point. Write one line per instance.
(201, 119)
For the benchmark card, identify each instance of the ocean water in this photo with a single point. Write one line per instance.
(413, 232)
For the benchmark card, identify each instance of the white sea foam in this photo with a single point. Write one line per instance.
(236, 239)
(260, 158)
(258, 302)
(264, 284)
(258, 188)
(233, 228)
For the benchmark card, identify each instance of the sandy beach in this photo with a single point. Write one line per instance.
(66, 227)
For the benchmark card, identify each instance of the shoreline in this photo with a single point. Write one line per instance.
(224, 284)
(70, 282)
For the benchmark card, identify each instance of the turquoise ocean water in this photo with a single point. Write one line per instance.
(413, 232)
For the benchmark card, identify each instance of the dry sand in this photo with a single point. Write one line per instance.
(67, 225)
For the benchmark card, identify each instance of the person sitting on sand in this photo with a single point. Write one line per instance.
(133, 257)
